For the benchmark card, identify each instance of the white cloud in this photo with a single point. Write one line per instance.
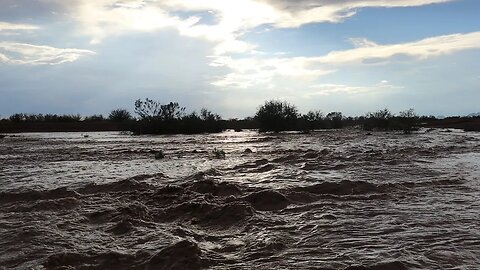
(27, 54)
(9, 27)
(328, 89)
(230, 20)
(362, 43)
(371, 53)
(299, 12)
(102, 18)
(21, 53)
(247, 72)
(255, 71)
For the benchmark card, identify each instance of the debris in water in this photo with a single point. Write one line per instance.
(159, 154)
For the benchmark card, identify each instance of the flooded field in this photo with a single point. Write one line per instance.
(324, 200)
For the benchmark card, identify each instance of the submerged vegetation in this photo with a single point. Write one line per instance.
(154, 117)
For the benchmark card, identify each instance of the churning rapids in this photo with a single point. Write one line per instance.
(325, 200)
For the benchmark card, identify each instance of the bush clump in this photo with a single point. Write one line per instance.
(170, 118)
(94, 118)
(120, 115)
(277, 116)
(407, 121)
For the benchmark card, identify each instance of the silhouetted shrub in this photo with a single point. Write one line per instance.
(241, 124)
(119, 115)
(205, 122)
(172, 111)
(207, 115)
(378, 120)
(157, 118)
(148, 109)
(352, 121)
(408, 121)
(31, 118)
(51, 118)
(153, 110)
(211, 122)
(95, 117)
(312, 120)
(335, 119)
(18, 117)
(277, 116)
(70, 118)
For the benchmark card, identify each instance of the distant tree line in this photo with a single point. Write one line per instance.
(281, 116)
(154, 117)
(115, 115)
(24, 117)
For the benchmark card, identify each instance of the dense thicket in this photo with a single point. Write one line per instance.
(407, 121)
(277, 116)
(170, 118)
(120, 115)
(282, 116)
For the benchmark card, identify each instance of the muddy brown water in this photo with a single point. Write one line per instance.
(324, 200)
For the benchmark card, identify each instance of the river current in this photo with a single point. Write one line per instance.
(335, 199)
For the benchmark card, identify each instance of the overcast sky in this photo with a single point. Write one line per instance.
(354, 56)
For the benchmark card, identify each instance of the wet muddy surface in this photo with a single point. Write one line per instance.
(324, 200)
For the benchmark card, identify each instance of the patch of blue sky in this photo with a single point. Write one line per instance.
(380, 25)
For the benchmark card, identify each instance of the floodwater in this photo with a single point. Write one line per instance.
(339, 199)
